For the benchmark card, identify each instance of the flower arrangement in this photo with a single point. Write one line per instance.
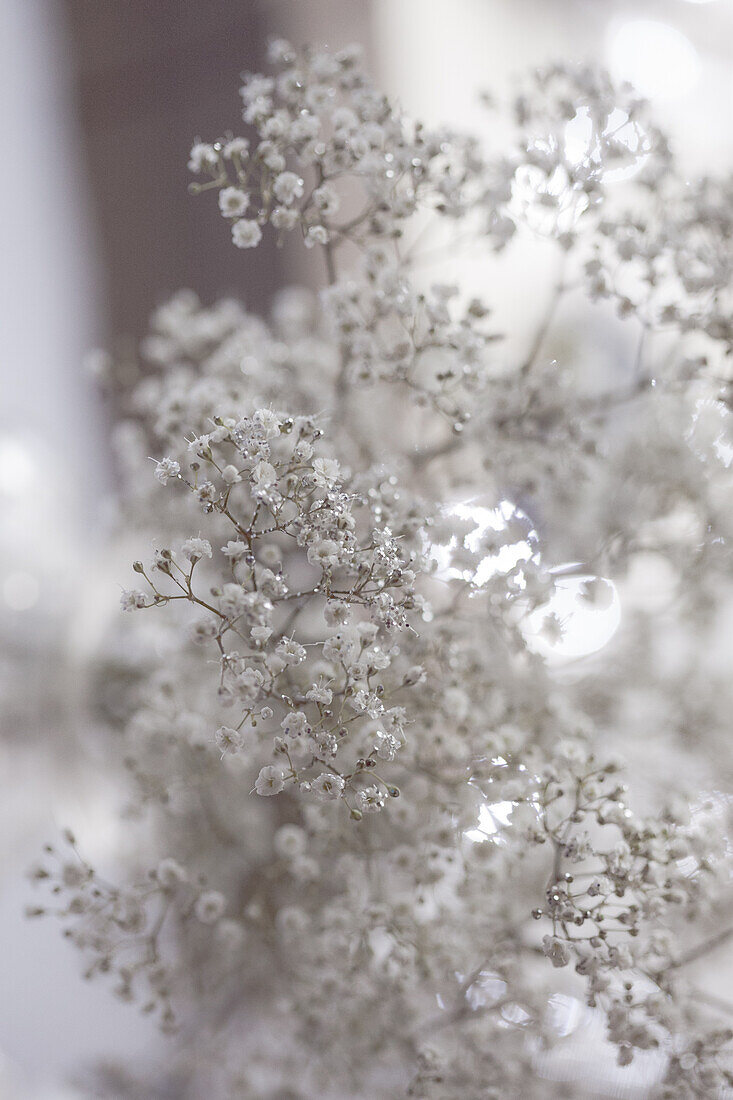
(384, 821)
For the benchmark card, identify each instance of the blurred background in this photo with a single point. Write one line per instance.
(100, 103)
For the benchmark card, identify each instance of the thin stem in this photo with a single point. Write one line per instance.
(710, 999)
(428, 454)
(544, 326)
(330, 263)
(702, 949)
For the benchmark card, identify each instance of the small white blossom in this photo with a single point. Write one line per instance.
(325, 199)
(170, 874)
(234, 549)
(204, 629)
(166, 469)
(290, 841)
(326, 471)
(229, 740)
(196, 548)
(246, 233)
(233, 202)
(269, 422)
(202, 158)
(238, 147)
(387, 745)
(284, 217)
(264, 474)
(231, 475)
(296, 724)
(270, 780)
(325, 554)
(210, 906)
(556, 950)
(322, 695)
(317, 234)
(292, 652)
(133, 598)
(327, 787)
(370, 800)
(288, 187)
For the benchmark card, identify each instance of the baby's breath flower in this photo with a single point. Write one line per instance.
(326, 470)
(229, 740)
(263, 475)
(290, 841)
(133, 598)
(270, 780)
(316, 234)
(246, 233)
(288, 187)
(234, 549)
(233, 202)
(196, 548)
(237, 147)
(210, 906)
(203, 158)
(370, 800)
(170, 874)
(231, 475)
(166, 469)
(364, 639)
(295, 724)
(327, 787)
(557, 950)
(269, 423)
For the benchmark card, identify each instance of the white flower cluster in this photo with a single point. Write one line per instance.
(385, 817)
(320, 126)
(329, 709)
(121, 930)
(578, 134)
(669, 261)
